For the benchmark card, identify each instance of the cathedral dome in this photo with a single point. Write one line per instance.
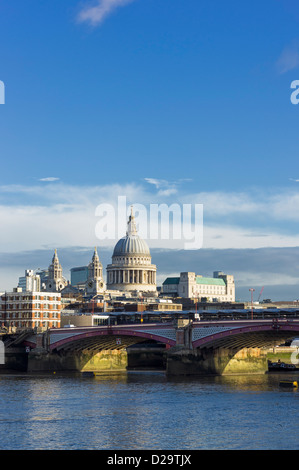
(131, 269)
(131, 245)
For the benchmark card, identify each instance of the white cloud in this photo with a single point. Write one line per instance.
(279, 206)
(49, 179)
(289, 58)
(64, 215)
(217, 203)
(157, 182)
(165, 187)
(95, 14)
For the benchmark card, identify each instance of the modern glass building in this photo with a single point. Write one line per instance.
(79, 275)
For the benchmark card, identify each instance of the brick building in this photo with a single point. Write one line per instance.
(30, 309)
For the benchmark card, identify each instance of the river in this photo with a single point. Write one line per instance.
(147, 410)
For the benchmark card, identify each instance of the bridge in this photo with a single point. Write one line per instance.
(190, 348)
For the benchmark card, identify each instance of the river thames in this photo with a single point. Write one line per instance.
(146, 411)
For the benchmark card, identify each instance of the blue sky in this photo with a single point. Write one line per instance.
(173, 101)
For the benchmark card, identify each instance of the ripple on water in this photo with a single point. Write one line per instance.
(146, 411)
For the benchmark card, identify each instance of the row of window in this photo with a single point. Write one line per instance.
(33, 324)
(30, 297)
(31, 315)
(208, 289)
(30, 306)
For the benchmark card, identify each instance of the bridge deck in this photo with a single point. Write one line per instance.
(219, 333)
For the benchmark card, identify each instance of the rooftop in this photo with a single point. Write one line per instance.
(171, 280)
(212, 281)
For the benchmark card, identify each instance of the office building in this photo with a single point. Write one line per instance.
(219, 288)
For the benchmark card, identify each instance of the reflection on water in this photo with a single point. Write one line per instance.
(147, 410)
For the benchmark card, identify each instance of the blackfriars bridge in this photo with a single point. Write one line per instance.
(193, 348)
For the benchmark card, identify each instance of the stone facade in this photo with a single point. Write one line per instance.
(220, 288)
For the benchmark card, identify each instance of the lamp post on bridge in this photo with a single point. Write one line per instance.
(252, 291)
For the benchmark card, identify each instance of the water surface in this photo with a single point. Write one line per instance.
(147, 410)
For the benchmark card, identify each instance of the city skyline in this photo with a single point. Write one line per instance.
(162, 103)
(199, 261)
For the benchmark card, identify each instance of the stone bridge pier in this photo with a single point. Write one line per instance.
(206, 361)
(184, 359)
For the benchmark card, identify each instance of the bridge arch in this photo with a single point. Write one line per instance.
(255, 335)
(107, 338)
(215, 347)
(102, 348)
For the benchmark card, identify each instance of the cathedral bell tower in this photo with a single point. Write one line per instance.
(55, 282)
(95, 283)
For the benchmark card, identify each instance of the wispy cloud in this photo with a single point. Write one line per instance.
(49, 179)
(165, 187)
(289, 58)
(95, 13)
